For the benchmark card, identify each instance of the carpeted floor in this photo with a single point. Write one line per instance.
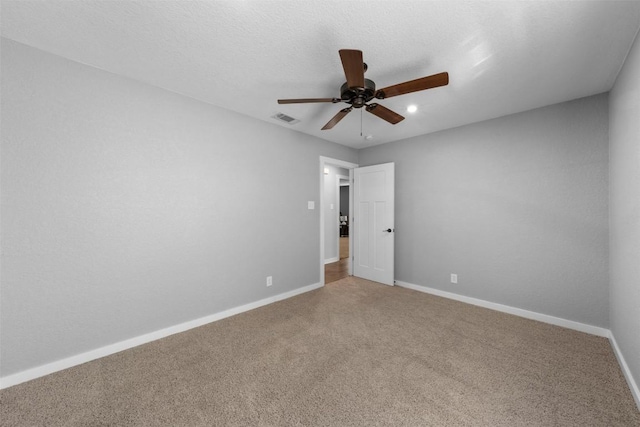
(354, 353)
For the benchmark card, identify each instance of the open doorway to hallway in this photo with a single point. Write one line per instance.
(337, 270)
(335, 219)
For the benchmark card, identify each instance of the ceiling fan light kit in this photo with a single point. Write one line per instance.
(358, 91)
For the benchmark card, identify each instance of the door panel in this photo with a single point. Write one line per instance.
(362, 253)
(372, 217)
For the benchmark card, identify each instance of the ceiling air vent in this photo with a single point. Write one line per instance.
(284, 118)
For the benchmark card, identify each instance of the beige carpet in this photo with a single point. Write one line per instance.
(353, 353)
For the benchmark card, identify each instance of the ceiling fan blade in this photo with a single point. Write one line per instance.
(436, 80)
(334, 121)
(307, 100)
(353, 67)
(384, 113)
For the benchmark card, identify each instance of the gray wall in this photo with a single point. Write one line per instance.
(127, 209)
(516, 206)
(624, 210)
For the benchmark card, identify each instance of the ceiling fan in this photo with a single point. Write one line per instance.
(357, 90)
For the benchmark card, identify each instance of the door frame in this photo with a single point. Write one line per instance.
(324, 161)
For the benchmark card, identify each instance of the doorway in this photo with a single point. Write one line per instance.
(336, 270)
(335, 215)
(371, 203)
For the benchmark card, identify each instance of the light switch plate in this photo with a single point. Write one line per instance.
(311, 205)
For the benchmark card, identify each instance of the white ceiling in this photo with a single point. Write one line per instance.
(502, 57)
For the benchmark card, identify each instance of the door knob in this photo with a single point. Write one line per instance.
(388, 230)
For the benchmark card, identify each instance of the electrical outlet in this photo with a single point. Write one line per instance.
(269, 280)
(454, 278)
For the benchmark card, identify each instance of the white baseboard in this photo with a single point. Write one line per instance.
(330, 260)
(635, 391)
(79, 359)
(88, 356)
(570, 324)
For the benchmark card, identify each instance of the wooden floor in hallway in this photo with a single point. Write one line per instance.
(340, 269)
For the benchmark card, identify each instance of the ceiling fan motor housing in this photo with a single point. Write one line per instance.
(358, 96)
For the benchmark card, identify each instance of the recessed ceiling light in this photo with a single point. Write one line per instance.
(412, 108)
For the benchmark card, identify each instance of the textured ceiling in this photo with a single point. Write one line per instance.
(502, 57)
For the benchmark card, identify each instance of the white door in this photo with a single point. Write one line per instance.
(373, 223)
